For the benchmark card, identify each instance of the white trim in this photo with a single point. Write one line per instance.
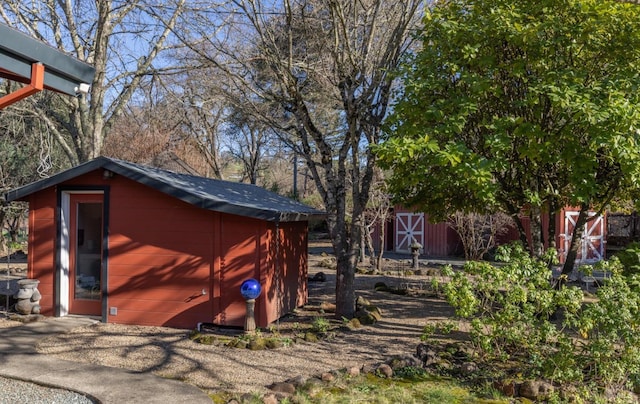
(64, 259)
(63, 284)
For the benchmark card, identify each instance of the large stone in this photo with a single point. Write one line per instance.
(426, 355)
(327, 377)
(298, 381)
(353, 371)
(24, 306)
(536, 390)
(286, 388)
(385, 370)
(468, 368)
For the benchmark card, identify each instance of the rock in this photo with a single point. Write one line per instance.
(366, 318)
(270, 399)
(310, 337)
(361, 302)
(36, 296)
(426, 355)
(319, 277)
(327, 377)
(285, 387)
(353, 324)
(468, 368)
(313, 381)
(385, 370)
(328, 307)
(273, 343)
(257, 344)
(507, 387)
(353, 371)
(381, 286)
(403, 362)
(24, 306)
(535, 390)
(298, 381)
(367, 368)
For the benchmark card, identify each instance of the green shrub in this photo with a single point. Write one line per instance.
(320, 324)
(512, 308)
(630, 258)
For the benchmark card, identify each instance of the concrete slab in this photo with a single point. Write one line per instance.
(19, 360)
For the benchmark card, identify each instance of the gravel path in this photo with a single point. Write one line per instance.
(169, 353)
(16, 391)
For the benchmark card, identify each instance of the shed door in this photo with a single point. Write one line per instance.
(85, 254)
(409, 227)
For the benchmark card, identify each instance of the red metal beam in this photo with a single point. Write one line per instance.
(35, 85)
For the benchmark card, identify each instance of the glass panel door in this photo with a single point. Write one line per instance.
(86, 254)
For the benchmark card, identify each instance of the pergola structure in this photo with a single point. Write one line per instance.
(39, 66)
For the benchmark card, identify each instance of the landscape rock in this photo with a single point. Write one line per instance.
(468, 368)
(367, 368)
(285, 387)
(353, 324)
(327, 377)
(353, 371)
(298, 381)
(318, 277)
(385, 370)
(535, 390)
(427, 355)
(507, 387)
(328, 307)
(381, 286)
(270, 399)
(399, 362)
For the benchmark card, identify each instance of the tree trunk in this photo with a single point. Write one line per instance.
(576, 239)
(522, 232)
(537, 241)
(382, 240)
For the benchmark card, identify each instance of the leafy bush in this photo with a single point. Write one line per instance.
(630, 258)
(320, 324)
(512, 308)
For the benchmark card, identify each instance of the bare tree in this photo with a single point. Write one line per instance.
(319, 71)
(377, 214)
(479, 232)
(121, 38)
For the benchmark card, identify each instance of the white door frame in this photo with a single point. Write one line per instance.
(63, 252)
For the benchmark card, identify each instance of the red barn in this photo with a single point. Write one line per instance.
(139, 245)
(440, 240)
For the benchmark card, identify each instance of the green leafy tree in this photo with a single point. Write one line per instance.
(519, 106)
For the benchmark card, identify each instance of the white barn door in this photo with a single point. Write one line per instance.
(592, 243)
(409, 227)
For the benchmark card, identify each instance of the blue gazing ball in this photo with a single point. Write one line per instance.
(250, 289)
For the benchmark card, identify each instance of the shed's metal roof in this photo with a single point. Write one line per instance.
(206, 193)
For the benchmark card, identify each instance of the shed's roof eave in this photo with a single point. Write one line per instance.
(216, 195)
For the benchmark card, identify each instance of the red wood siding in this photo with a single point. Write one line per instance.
(241, 246)
(160, 254)
(285, 278)
(42, 235)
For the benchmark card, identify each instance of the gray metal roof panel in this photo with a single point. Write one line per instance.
(217, 195)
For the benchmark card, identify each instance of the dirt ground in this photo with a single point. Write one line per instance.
(170, 353)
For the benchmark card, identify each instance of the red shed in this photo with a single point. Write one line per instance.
(139, 245)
